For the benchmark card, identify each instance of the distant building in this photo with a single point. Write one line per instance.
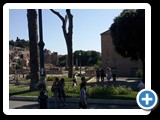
(110, 58)
(50, 57)
(47, 56)
(22, 55)
(17, 56)
(54, 58)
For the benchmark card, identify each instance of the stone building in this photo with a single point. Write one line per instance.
(54, 58)
(24, 54)
(110, 58)
(50, 58)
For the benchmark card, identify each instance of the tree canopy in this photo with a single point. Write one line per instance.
(128, 33)
(19, 43)
(87, 58)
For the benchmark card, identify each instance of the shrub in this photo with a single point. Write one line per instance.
(107, 91)
(50, 78)
(68, 79)
(96, 92)
(139, 73)
(28, 76)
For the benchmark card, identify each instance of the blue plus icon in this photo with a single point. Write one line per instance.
(147, 99)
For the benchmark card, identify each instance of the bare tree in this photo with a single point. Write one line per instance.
(33, 45)
(67, 36)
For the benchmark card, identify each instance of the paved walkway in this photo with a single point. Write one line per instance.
(19, 102)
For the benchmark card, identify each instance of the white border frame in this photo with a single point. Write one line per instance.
(8, 6)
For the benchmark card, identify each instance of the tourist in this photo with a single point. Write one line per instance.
(83, 80)
(102, 75)
(62, 94)
(114, 74)
(97, 74)
(74, 80)
(83, 96)
(55, 89)
(108, 74)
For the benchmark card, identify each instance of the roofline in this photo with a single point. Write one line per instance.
(105, 32)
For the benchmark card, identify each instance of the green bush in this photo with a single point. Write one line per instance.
(96, 92)
(121, 90)
(50, 78)
(28, 76)
(18, 66)
(139, 73)
(68, 79)
(107, 91)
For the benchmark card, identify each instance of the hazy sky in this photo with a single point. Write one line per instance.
(88, 24)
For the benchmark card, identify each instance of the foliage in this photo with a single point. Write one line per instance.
(128, 33)
(62, 60)
(17, 66)
(110, 92)
(98, 65)
(50, 78)
(96, 92)
(86, 58)
(67, 79)
(19, 43)
(28, 76)
(139, 73)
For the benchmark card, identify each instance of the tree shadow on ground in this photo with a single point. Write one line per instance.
(20, 92)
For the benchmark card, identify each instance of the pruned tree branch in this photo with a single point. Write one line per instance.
(67, 35)
(63, 21)
(59, 15)
(70, 17)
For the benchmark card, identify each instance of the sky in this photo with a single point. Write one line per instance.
(88, 24)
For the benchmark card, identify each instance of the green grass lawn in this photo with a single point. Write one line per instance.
(96, 92)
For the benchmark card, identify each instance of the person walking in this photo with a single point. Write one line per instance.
(108, 74)
(55, 89)
(62, 95)
(102, 75)
(97, 75)
(74, 81)
(83, 80)
(83, 96)
(114, 74)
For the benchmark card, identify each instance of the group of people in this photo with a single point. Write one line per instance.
(100, 74)
(59, 92)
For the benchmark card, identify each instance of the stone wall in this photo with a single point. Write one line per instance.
(110, 58)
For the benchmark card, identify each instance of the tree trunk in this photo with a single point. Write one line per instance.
(33, 45)
(68, 37)
(70, 60)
